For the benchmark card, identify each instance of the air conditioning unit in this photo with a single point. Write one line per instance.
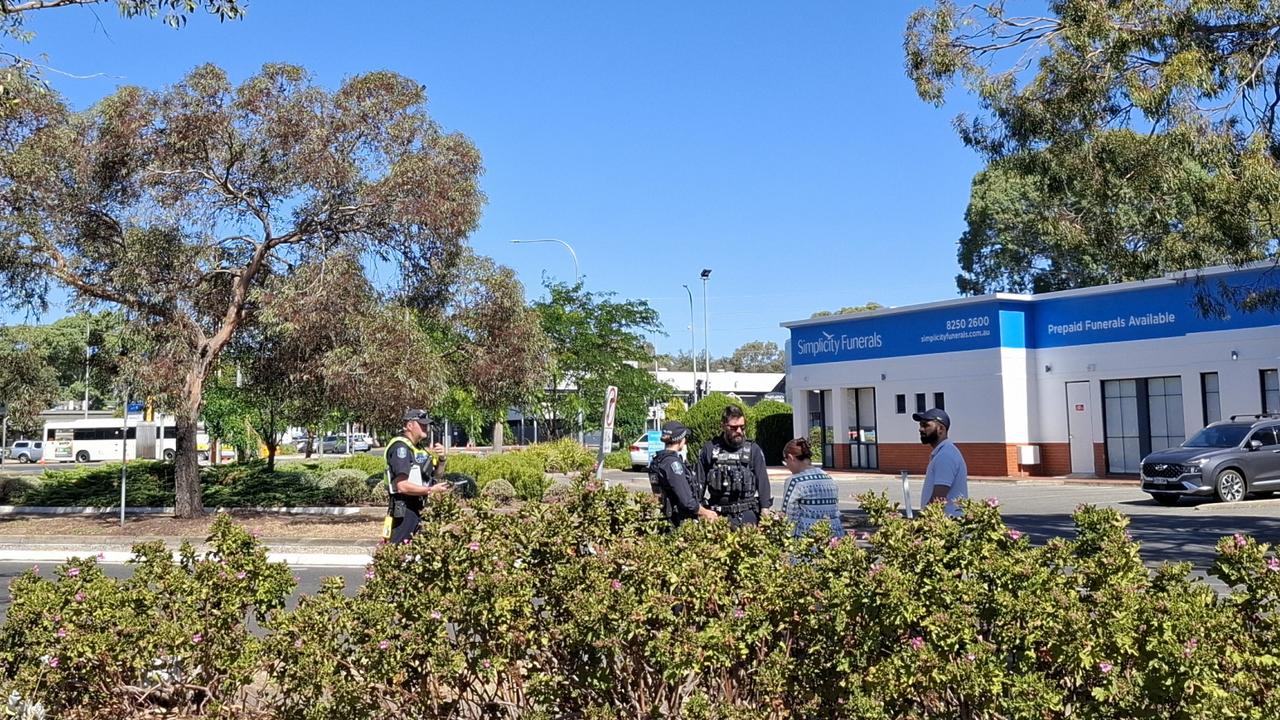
(1028, 454)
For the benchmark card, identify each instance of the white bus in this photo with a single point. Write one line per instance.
(89, 439)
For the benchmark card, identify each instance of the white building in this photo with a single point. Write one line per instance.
(1081, 382)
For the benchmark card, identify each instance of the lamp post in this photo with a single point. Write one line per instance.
(577, 273)
(706, 347)
(693, 343)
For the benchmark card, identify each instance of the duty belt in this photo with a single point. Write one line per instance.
(737, 508)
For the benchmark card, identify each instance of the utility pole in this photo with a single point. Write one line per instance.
(706, 346)
(693, 343)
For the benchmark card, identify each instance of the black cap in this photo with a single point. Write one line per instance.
(419, 415)
(934, 414)
(673, 431)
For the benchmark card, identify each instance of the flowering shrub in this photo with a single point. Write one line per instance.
(580, 609)
(173, 636)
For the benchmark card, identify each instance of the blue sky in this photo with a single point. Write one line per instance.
(780, 144)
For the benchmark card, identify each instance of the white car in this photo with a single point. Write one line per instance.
(640, 453)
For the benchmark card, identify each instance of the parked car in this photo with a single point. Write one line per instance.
(26, 451)
(360, 442)
(640, 453)
(1227, 460)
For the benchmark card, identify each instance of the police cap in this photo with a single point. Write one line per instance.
(674, 432)
(419, 416)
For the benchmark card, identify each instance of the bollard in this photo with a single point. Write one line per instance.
(906, 494)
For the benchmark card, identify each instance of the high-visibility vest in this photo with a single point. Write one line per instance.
(386, 455)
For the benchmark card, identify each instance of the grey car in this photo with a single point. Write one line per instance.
(1227, 460)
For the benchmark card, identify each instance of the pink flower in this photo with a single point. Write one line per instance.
(435, 615)
(1239, 540)
(368, 574)
(1105, 667)
(875, 569)
(862, 535)
(1015, 535)
(1190, 647)
(485, 663)
(993, 502)
(917, 642)
(197, 638)
(384, 645)
(970, 657)
(297, 643)
(53, 662)
(833, 542)
(62, 632)
(79, 597)
(241, 575)
(73, 572)
(1273, 565)
(739, 613)
(616, 584)
(474, 546)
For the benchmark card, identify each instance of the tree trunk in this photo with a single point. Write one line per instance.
(272, 439)
(497, 435)
(186, 465)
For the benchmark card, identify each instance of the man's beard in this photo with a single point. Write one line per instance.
(733, 442)
(928, 438)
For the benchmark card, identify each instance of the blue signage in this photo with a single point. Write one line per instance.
(1159, 309)
(653, 442)
(136, 406)
(936, 330)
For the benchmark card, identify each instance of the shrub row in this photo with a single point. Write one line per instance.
(579, 609)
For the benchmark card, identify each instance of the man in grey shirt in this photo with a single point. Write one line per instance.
(947, 478)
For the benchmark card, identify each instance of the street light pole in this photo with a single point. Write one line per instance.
(577, 273)
(693, 343)
(706, 346)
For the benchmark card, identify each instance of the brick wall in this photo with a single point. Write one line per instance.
(993, 459)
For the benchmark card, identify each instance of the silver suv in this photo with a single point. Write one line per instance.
(1228, 460)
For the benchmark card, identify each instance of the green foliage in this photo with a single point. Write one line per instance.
(703, 420)
(1123, 140)
(676, 409)
(499, 491)
(559, 491)
(618, 460)
(370, 464)
(566, 456)
(848, 310)
(465, 463)
(347, 486)
(578, 608)
(772, 420)
(175, 636)
(593, 340)
(149, 483)
(757, 357)
(523, 471)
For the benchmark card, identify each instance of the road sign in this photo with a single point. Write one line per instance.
(606, 428)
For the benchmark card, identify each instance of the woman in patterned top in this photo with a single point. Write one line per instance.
(810, 496)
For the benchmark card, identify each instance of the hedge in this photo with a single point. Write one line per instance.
(580, 609)
(773, 430)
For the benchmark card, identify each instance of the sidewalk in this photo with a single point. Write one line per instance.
(115, 550)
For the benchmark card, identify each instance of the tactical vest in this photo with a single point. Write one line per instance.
(731, 478)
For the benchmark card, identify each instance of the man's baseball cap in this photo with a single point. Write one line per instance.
(933, 414)
(417, 415)
(674, 432)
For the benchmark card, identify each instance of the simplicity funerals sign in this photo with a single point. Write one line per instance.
(1141, 311)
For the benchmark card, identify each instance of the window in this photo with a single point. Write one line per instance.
(1270, 391)
(939, 401)
(1140, 416)
(1266, 436)
(170, 432)
(920, 407)
(901, 400)
(1210, 400)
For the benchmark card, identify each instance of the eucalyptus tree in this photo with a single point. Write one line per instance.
(1122, 139)
(175, 206)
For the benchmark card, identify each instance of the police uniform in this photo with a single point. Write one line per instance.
(405, 511)
(737, 480)
(673, 480)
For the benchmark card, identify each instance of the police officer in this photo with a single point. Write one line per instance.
(734, 471)
(674, 481)
(411, 476)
